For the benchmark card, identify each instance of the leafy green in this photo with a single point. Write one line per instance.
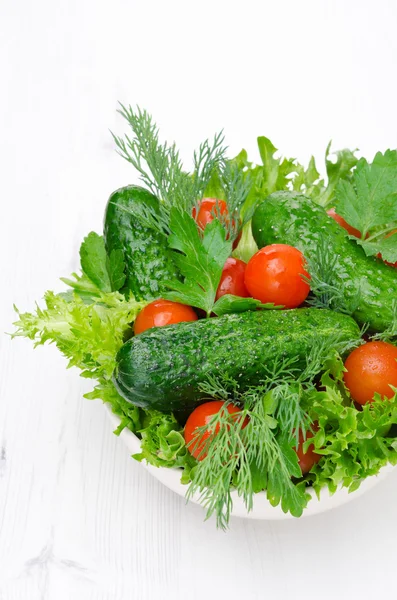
(163, 444)
(89, 335)
(337, 171)
(354, 444)
(199, 259)
(229, 304)
(116, 266)
(389, 334)
(106, 273)
(250, 451)
(369, 203)
(161, 170)
(93, 260)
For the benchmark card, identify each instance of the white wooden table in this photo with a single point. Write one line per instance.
(78, 518)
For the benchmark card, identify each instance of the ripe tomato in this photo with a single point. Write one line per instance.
(307, 459)
(380, 256)
(275, 274)
(200, 417)
(210, 208)
(162, 312)
(232, 279)
(350, 230)
(371, 368)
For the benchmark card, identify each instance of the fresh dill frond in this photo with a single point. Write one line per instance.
(390, 334)
(161, 170)
(324, 292)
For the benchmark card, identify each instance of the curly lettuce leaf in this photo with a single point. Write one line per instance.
(89, 335)
(163, 444)
(354, 444)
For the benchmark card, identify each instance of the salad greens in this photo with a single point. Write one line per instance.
(255, 450)
(369, 203)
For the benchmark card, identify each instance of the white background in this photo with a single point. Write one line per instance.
(78, 518)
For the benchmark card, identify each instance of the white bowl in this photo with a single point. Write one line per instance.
(262, 508)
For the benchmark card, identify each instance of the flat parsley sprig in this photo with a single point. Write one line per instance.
(200, 258)
(368, 202)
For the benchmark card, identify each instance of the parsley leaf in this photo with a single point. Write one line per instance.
(106, 273)
(115, 266)
(229, 304)
(200, 259)
(369, 203)
(93, 260)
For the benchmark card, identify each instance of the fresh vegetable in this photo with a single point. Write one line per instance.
(210, 208)
(341, 275)
(277, 274)
(162, 312)
(163, 367)
(201, 418)
(368, 202)
(148, 262)
(281, 410)
(371, 369)
(232, 279)
(350, 230)
(307, 457)
(379, 255)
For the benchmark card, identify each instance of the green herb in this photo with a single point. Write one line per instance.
(390, 334)
(229, 304)
(106, 273)
(163, 444)
(323, 292)
(354, 444)
(199, 259)
(337, 171)
(161, 170)
(369, 203)
(248, 457)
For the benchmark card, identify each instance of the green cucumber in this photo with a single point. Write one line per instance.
(163, 367)
(148, 260)
(364, 282)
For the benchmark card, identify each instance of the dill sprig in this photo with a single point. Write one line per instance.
(254, 449)
(324, 292)
(390, 334)
(161, 170)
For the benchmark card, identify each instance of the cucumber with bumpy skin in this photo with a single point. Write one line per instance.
(148, 260)
(163, 367)
(363, 282)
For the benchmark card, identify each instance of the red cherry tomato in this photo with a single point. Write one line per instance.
(275, 274)
(163, 312)
(350, 230)
(207, 210)
(200, 417)
(371, 368)
(380, 256)
(309, 458)
(232, 279)
(210, 208)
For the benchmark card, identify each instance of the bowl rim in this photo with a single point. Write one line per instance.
(262, 509)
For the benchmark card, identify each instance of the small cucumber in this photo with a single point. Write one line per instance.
(147, 258)
(364, 282)
(163, 367)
